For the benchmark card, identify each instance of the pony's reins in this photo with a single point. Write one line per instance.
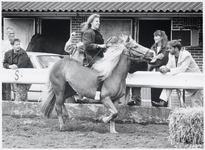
(98, 52)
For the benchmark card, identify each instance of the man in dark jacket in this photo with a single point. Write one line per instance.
(136, 91)
(14, 59)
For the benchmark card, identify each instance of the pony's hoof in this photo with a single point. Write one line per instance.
(98, 119)
(62, 128)
(105, 119)
(113, 132)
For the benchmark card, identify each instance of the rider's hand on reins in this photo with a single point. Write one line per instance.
(108, 45)
(101, 46)
(72, 34)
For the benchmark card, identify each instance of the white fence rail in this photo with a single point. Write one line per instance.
(33, 76)
(138, 79)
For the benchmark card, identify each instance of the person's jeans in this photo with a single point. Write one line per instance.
(6, 91)
(155, 94)
(20, 91)
(136, 95)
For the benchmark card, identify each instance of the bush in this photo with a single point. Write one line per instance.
(186, 127)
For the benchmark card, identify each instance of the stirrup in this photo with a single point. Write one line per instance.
(97, 95)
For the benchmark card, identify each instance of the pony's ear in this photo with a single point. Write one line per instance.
(128, 39)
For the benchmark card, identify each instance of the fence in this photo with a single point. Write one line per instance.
(138, 79)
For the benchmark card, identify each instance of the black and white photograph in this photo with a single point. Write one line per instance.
(102, 74)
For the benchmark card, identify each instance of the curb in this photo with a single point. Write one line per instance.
(134, 114)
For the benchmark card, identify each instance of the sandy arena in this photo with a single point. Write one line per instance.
(44, 133)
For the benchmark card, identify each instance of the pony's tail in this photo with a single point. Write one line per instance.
(47, 100)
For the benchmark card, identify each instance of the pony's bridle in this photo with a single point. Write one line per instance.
(99, 51)
(142, 55)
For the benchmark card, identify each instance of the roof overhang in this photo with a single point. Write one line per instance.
(102, 14)
(105, 9)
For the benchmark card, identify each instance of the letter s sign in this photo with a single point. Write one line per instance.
(16, 75)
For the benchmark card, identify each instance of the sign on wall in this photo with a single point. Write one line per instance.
(24, 29)
(115, 27)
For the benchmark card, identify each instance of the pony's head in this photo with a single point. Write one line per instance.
(135, 50)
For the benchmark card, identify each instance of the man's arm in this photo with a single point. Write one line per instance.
(183, 67)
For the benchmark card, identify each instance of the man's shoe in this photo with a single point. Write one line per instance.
(131, 103)
(82, 101)
(160, 104)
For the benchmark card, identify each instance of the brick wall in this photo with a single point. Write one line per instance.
(76, 22)
(183, 23)
(197, 54)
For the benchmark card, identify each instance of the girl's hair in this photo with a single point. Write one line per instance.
(14, 40)
(175, 43)
(87, 25)
(163, 35)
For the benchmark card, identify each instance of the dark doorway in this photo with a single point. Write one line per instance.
(148, 27)
(56, 32)
(56, 28)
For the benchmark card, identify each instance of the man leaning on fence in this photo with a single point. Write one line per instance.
(180, 60)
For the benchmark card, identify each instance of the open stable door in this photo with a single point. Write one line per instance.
(24, 29)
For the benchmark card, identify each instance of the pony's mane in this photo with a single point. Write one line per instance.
(105, 66)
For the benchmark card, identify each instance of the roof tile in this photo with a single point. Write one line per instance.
(104, 6)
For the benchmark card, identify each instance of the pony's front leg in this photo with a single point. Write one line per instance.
(112, 127)
(111, 107)
(112, 122)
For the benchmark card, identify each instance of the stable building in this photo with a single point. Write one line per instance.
(180, 20)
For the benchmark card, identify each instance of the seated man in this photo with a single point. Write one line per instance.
(180, 60)
(75, 50)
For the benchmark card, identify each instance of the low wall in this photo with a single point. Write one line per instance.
(133, 114)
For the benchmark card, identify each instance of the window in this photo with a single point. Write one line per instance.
(184, 35)
(115, 27)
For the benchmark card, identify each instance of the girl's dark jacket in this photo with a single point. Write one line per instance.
(92, 52)
(159, 62)
(20, 59)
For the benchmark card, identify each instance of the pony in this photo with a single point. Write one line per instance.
(68, 77)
